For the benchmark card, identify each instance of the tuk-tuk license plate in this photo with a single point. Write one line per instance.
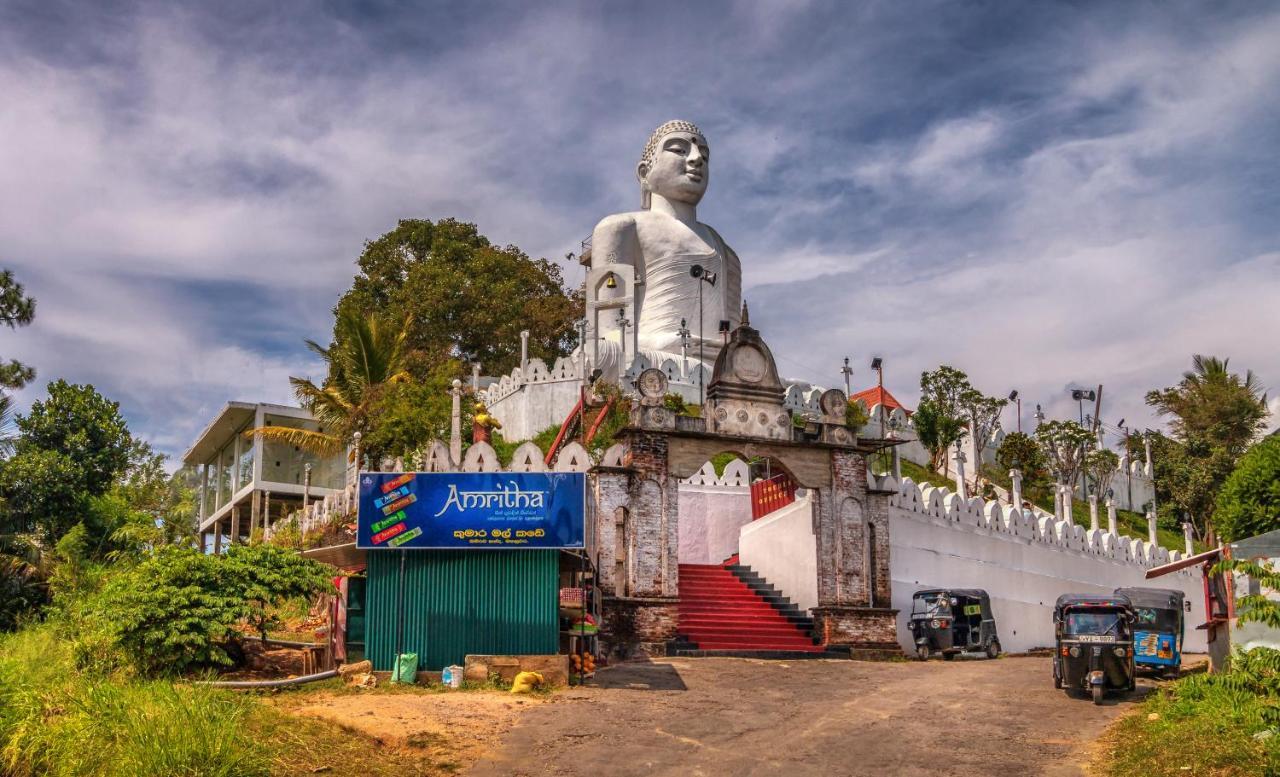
(1094, 638)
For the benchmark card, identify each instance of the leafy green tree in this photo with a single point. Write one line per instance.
(1214, 416)
(983, 413)
(937, 431)
(368, 356)
(77, 421)
(16, 309)
(1065, 445)
(407, 416)
(1100, 468)
(943, 396)
(1249, 501)
(466, 298)
(72, 447)
(1020, 451)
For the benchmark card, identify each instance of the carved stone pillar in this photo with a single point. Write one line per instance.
(1015, 476)
(1093, 512)
(1113, 524)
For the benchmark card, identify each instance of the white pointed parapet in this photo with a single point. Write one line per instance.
(1033, 524)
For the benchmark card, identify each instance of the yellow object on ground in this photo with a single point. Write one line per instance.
(526, 682)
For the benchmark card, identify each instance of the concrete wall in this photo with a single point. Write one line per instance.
(712, 511)
(783, 549)
(1023, 560)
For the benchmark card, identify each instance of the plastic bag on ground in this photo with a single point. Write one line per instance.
(526, 682)
(406, 668)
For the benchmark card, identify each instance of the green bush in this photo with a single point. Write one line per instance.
(178, 609)
(267, 574)
(1249, 502)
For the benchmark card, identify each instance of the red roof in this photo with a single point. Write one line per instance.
(877, 395)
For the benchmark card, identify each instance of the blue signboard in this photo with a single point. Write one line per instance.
(470, 510)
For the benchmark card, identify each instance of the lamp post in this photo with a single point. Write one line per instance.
(709, 278)
(1013, 397)
(683, 332)
(1128, 466)
(1080, 395)
(847, 371)
(877, 364)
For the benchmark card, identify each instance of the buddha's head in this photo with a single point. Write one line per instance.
(674, 164)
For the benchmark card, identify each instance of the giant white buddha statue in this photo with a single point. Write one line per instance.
(646, 267)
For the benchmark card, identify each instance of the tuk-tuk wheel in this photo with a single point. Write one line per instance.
(1057, 681)
(993, 649)
(1098, 692)
(922, 652)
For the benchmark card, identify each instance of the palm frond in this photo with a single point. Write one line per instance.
(319, 443)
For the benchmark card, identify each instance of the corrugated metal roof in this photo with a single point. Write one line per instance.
(460, 602)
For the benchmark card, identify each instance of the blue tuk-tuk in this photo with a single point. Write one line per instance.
(1158, 628)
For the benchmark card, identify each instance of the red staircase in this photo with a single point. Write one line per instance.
(719, 612)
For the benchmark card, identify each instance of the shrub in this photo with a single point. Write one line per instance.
(267, 574)
(178, 609)
(1249, 502)
(174, 611)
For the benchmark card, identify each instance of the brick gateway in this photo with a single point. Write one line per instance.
(636, 523)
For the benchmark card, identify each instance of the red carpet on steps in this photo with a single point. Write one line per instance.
(719, 612)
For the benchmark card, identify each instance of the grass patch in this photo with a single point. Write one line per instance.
(1202, 725)
(56, 720)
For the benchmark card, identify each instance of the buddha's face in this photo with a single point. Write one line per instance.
(679, 170)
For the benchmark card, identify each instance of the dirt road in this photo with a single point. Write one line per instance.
(744, 717)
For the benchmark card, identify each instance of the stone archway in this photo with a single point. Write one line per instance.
(744, 413)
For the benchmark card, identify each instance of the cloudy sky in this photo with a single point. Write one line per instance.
(1043, 195)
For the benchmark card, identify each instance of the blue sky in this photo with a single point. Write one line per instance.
(1045, 195)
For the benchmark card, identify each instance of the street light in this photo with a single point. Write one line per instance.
(847, 371)
(1013, 397)
(877, 364)
(709, 278)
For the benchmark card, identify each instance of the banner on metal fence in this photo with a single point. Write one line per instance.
(470, 510)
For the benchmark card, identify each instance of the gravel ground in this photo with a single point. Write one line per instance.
(718, 716)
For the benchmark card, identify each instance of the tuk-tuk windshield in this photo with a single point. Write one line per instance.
(1093, 623)
(931, 605)
(1153, 619)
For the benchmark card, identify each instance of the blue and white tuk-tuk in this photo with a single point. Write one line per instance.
(1158, 628)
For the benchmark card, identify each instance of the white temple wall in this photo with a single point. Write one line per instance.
(782, 548)
(1024, 563)
(533, 407)
(712, 511)
(710, 519)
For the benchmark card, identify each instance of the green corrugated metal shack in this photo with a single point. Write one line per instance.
(459, 602)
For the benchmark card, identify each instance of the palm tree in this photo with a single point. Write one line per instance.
(365, 357)
(8, 440)
(1211, 403)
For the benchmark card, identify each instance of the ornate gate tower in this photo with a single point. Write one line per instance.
(637, 521)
